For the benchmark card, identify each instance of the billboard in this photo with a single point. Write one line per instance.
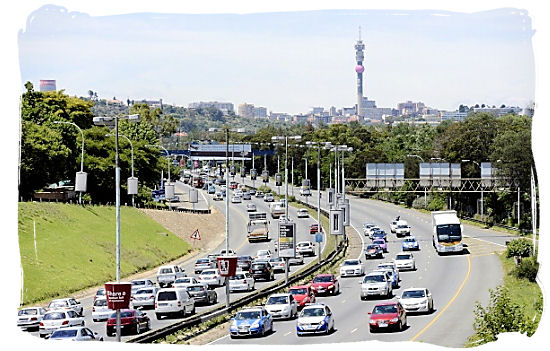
(218, 151)
(287, 239)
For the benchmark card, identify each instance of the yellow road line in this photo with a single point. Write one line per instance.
(448, 304)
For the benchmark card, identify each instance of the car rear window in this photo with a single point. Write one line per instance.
(100, 302)
(195, 288)
(166, 271)
(54, 316)
(138, 282)
(144, 291)
(258, 266)
(126, 314)
(64, 333)
(203, 260)
(402, 257)
(167, 296)
(27, 312)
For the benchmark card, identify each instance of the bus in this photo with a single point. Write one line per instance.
(447, 232)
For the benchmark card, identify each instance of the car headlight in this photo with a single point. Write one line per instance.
(255, 325)
(394, 319)
(372, 321)
(323, 322)
(331, 286)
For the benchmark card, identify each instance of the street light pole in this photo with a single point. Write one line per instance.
(132, 157)
(81, 156)
(227, 292)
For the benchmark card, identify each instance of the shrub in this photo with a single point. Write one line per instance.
(519, 247)
(438, 203)
(527, 269)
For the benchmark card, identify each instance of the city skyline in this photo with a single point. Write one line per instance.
(287, 62)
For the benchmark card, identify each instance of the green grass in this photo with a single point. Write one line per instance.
(76, 247)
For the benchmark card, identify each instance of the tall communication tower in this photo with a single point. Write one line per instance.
(359, 56)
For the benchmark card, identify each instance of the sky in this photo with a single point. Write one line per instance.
(482, 52)
(286, 61)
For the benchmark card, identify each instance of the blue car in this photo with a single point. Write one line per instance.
(251, 321)
(410, 243)
(211, 189)
(379, 234)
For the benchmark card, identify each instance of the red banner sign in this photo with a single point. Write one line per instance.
(118, 295)
(227, 265)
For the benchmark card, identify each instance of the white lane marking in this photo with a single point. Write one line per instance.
(343, 301)
(490, 242)
(223, 337)
(353, 331)
(288, 333)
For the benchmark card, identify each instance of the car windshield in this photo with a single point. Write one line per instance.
(322, 279)
(166, 271)
(258, 266)
(448, 232)
(203, 260)
(237, 277)
(402, 226)
(61, 333)
(247, 315)
(303, 244)
(196, 288)
(56, 304)
(403, 257)
(383, 309)
(100, 302)
(301, 291)
(374, 278)
(54, 316)
(100, 292)
(262, 253)
(379, 242)
(182, 280)
(351, 263)
(410, 240)
(28, 312)
(411, 294)
(313, 312)
(276, 300)
(166, 296)
(372, 247)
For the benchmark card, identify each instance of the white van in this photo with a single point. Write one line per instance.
(174, 301)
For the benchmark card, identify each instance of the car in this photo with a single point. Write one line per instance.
(218, 196)
(376, 284)
(100, 310)
(352, 267)
(145, 297)
(75, 334)
(246, 196)
(387, 315)
(314, 228)
(228, 252)
(259, 194)
(366, 228)
(236, 199)
(211, 189)
(282, 305)
(250, 207)
(296, 260)
(238, 192)
(315, 319)
(252, 192)
(305, 192)
(30, 317)
(100, 293)
(269, 197)
(410, 243)
(303, 294)
(56, 319)
(417, 300)
(263, 254)
(325, 283)
(405, 261)
(243, 263)
(174, 301)
(379, 234)
(402, 230)
(140, 283)
(167, 275)
(262, 270)
(382, 243)
(393, 225)
(278, 264)
(241, 281)
(252, 321)
(393, 277)
(390, 265)
(302, 213)
(233, 185)
(66, 304)
(374, 250)
(201, 294)
(131, 321)
(305, 248)
(371, 231)
(184, 282)
(204, 263)
(211, 277)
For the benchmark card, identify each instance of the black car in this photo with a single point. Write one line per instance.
(374, 250)
(201, 294)
(243, 262)
(262, 270)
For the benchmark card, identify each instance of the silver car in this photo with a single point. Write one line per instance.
(54, 320)
(75, 334)
(141, 283)
(66, 304)
(30, 317)
(145, 297)
(417, 300)
(376, 284)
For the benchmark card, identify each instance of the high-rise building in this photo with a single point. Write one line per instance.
(225, 107)
(359, 69)
(47, 85)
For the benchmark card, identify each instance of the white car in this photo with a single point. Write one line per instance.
(305, 192)
(167, 275)
(54, 320)
(305, 248)
(227, 253)
(269, 198)
(390, 265)
(402, 229)
(404, 261)
(241, 281)
(302, 213)
(297, 260)
(66, 304)
(30, 317)
(141, 283)
(371, 231)
(173, 301)
(145, 297)
(352, 267)
(376, 283)
(211, 277)
(417, 300)
(278, 264)
(315, 319)
(76, 334)
(263, 255)
(250, 207)
(204, 263)
(282, 305)
(236, 199)
(185, 282)
(100, 311)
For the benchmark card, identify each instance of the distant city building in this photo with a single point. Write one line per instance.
(260, 112)
(410, 108)
(276, 116)
(332, 111)
(47, 85)
(300, 119)
(499, 111)
(377, 112)
(250, 111)
(348, 111)
(225, 107)
(114, 102)
(150, 103)
(453, 115)
(317, 110)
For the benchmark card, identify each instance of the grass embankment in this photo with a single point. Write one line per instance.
(76, 247)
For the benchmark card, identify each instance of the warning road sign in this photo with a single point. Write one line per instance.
(196, 235)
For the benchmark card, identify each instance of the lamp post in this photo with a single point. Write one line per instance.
(109, 121)
(132, 158)
(425, 195)
(81, 176)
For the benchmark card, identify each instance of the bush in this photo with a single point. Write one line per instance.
(264, 189)
(438, 203)
(519, 247)
(527, 269)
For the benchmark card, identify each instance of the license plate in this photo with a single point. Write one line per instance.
(382, 325)
(163, 304)
(349, 272)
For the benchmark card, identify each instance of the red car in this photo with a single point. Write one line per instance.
(387, 315)
(233, 185)
(314, 228)
(303, 294)
(133, 321)
(325, 284)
